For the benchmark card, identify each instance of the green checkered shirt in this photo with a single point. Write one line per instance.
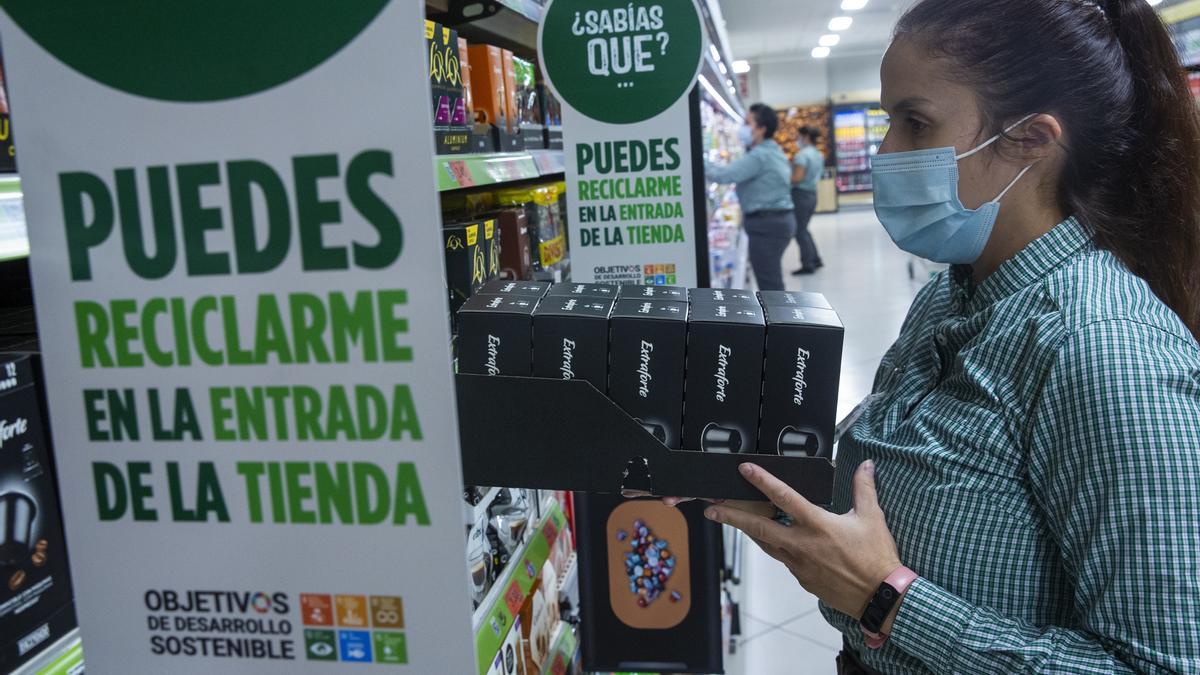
(1038, 448)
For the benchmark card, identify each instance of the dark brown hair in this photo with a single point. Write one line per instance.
(766, 118)
(1110, 74)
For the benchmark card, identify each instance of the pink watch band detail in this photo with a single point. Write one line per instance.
(900, 579)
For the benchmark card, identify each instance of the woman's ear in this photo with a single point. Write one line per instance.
(1040, 137)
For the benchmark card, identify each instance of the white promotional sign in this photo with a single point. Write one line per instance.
(242, 308)
(623, 71)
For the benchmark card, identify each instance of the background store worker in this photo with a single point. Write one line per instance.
(762, 177)
(1032, 448)
(807, 166)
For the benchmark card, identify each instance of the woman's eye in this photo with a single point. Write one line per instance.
(917, 126)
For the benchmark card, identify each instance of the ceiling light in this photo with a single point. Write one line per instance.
(1154, 2)
(853, 5)
(740, 67)
(830, 40)
(840, 23)
(820, 52)
(713, 50)
(721, 65)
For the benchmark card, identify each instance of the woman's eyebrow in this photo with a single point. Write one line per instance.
(909, 104)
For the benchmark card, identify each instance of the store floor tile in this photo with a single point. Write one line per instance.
(780, 653)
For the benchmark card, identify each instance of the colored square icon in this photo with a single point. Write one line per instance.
(352, 610)
(320, 645)
(671, 268)
(648, 281)
(355, 645)
(316, 610)
(660, 280)
(387, 611)
(671, 280)
(390, 647)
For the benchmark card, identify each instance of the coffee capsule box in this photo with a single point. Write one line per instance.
(640, 292)
(647, 341)
(723, 295)
(800, 386)
(495, 335)
(516, 257)
(570, 339)
(584, 291)
(466, 260)
(724, 376)
(524, 289)
(793, 299)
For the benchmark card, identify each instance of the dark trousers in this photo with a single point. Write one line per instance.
(806, 206)
(770, 233)
(848, 663)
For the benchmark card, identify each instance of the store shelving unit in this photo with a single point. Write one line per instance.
(456, 172)
(511, 24)
(563, 645)
(14, 241)
(64, 657)
(858, 131)
(494, 617)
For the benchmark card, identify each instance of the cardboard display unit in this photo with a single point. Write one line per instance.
(649, 586)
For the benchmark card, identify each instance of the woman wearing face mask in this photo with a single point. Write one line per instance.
(807, 166)
(1022, 492)
(763, 179)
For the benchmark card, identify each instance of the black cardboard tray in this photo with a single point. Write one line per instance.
(566, 435)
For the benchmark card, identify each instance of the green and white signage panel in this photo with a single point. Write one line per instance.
(243, 313)
(623, 71)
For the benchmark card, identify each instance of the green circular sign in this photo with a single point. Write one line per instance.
(621, 62)
(192, 51)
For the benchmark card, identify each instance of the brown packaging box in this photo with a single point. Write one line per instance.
(487, 85)
(510, 90)
(516, 257)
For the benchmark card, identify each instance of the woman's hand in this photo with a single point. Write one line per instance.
(840, 559)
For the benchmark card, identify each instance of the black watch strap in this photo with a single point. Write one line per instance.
(879, 607)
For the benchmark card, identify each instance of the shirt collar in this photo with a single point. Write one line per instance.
(1042, 256)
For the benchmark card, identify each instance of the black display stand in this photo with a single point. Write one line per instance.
(566, 435)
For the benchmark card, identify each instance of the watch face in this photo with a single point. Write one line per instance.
(880, 606)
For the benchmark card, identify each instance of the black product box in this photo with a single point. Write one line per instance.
(669, 620)
(525, 289)
(724, 377)
(640, 292)
(516, 252)
(716, 295)
(495, 335)
(534, 136)
(35, 594)
(466, 261)
(647, 345)
(800, 387)
(554, 138)
(503, 141)
(491, 249)
(574, 290)
(793, 299)
(570, 339)
(446, 85)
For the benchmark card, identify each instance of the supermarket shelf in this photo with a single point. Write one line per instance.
(564, 643)
(570, 577)
(455, 172)
(494, 616)
(513, 25)
(14, 239)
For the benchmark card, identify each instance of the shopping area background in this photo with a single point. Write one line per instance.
(505, 210)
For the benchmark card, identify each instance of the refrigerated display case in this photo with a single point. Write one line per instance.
(858, 132)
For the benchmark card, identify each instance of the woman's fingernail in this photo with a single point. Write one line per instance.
(711, 514)
(869, 466)
(746, 469)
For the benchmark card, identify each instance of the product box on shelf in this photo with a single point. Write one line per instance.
(724, 376)
(575, 290)
(649, 582)
(528, 109)
(716, 295)
(495, 335)
(640, 292)
(36, 607)
(464, 63)
(539, 617)
(525, 289)
(491, 246)
(450, 122)
(510, 660)
(800, 383)
(647, 345)
(487, 84)
(793, 299)
(570, 339)
(551, 116)
(466, 261)
(510, 90)
(516, 256)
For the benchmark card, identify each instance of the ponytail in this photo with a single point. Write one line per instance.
(1109, 71)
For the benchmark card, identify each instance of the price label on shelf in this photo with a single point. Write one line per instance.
(461, 173)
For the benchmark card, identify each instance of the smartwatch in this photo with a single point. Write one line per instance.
(882, 604)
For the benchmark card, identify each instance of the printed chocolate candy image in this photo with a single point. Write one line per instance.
(649, 576)
(16, 580)
(649, 564)
(38, 559)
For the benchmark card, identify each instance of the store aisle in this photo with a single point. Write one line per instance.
(866, 279)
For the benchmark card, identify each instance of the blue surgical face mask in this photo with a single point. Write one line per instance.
(916, 199)
(745, 135)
